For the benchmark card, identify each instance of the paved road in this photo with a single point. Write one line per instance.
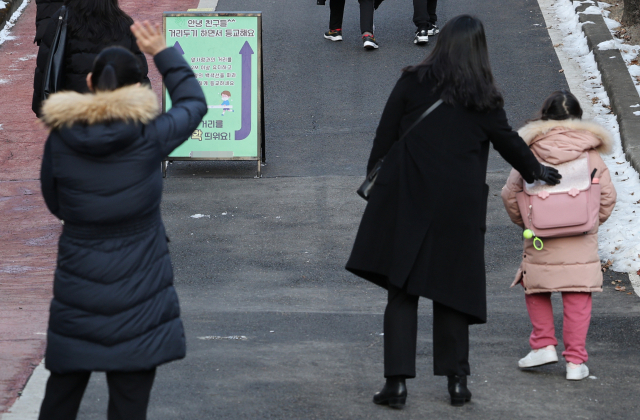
(271, 268)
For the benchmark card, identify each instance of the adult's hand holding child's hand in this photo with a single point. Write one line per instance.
(148, 37)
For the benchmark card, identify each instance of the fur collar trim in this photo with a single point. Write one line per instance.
(533, 131)
(130, 103)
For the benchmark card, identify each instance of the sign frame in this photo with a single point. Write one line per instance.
(261, 155)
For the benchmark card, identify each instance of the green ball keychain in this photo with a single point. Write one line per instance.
(537, 242)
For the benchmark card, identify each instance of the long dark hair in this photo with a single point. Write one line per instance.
(560, 105)
(97, 20)
(115, 67)
(459, 63)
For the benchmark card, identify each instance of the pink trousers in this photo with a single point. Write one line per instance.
(577, 316)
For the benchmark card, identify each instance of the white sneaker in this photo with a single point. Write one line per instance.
(539, 357)
(577, 372)
(421, 37)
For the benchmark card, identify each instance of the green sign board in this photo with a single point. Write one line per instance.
(225, 53)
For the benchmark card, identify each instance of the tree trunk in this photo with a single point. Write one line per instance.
(631, 14)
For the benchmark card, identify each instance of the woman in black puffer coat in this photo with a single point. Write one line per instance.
(92, 25)
(45, 9)
(114, 307)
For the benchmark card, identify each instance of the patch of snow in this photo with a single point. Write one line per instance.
(636, 112)
(635, 282)
(607, 45)
(611, 24)
(198, 216)
(634, 106)
(15, 269)
(619, 237)
(27, 57)
(219, 337)
(592, 10)
(4, 34)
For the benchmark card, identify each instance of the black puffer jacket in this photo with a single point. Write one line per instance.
(79, 57)
(114, 306)
(45, 9)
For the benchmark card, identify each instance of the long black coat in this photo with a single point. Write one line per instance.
(425, 221)
(79, 56)
(114, 306)
(44, 10)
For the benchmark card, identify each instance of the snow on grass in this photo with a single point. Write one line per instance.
(619, 237)
(4, 34)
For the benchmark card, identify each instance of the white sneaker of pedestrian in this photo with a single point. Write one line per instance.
(577, 372)
(539, 357)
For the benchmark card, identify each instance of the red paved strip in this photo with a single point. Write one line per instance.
(28, 233)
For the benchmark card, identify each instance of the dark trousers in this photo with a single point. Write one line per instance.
(450, 337)
(128, 395)
(366, 15)
(424, 13)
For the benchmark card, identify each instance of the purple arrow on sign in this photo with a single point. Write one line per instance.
(245, 128)
(178, 47)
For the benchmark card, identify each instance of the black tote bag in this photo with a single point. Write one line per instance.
(55, 61)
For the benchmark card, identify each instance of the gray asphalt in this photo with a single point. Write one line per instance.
(268, 262)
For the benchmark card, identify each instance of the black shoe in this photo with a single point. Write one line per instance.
(458, 390)
(394, 393)
(334, 34)
(369, 42)
(422, 37)
(433, 29)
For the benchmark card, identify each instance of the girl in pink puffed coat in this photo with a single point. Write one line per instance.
(569, 265)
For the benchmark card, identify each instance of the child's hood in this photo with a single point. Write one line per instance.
(562, 141)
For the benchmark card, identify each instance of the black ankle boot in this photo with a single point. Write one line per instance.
(458, 390)
(394, 393)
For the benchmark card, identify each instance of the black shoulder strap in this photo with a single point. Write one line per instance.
(422, 117)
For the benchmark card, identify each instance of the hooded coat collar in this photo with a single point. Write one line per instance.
(100, 123)
(130, 104)
(561, 141)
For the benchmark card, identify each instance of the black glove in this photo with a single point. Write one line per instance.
(549, 175)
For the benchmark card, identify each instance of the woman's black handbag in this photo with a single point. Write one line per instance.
(55, 61)
(369, 181)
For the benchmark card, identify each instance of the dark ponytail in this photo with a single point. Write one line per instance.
(560, 105)
(114, 68)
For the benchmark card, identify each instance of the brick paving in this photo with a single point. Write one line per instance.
(28, 233)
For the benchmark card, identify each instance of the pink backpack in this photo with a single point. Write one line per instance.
(566, 209)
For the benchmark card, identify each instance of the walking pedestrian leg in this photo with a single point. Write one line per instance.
(63, 395)
(336, 8)
(541, 316)
(450, 341)
(366, 16)
(129, 394)
(577, 317)
(400, 334)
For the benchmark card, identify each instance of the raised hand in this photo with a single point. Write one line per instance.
(148, 37)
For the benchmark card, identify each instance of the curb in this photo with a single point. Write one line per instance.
(616, 80)
(7, 11)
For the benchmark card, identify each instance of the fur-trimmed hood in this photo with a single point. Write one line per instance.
(561, 141)
(133, 103)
